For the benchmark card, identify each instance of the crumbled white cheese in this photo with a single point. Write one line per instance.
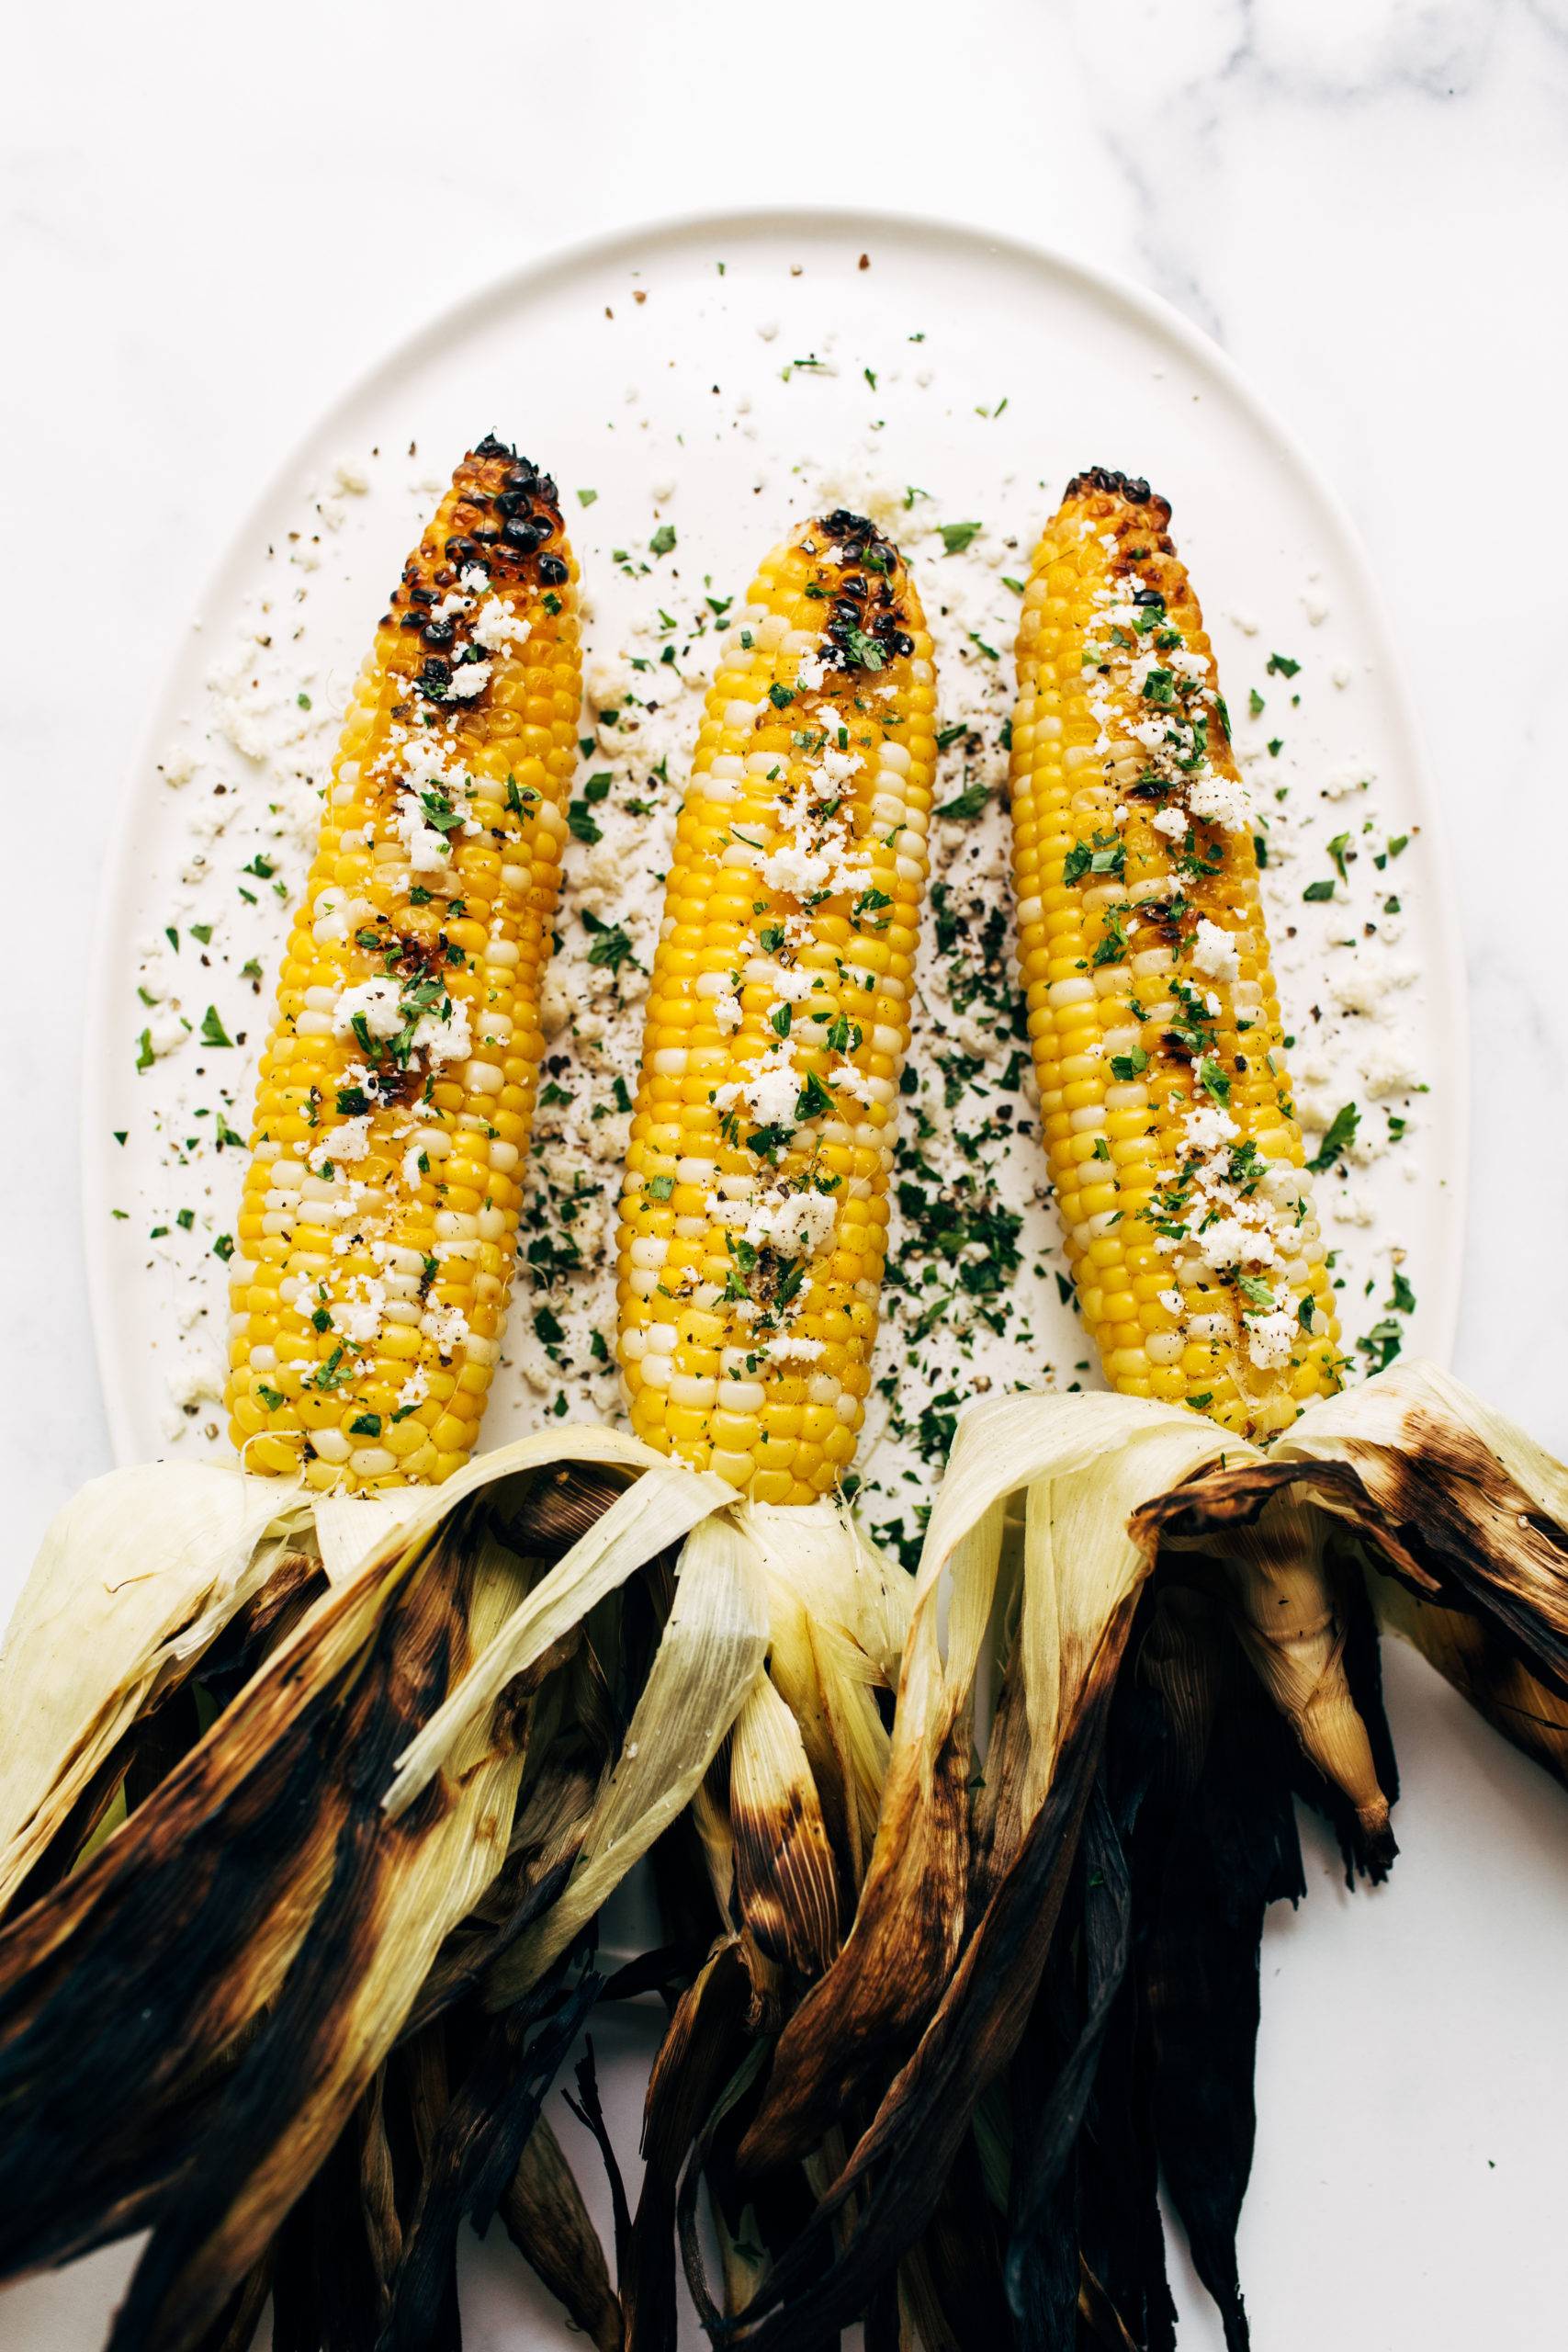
(446, 1326)
(348, 1142)
(1227, 1243)
(165, 1033)
(770, 1090)
(358, 1317)
(443, 1033)
(1206, 1128)
(428, 848)
(838, 769)
(1269, 1339)
(1365, 986)
(1387, 1069)
(1215, 952)
(378, 1003)
(195, 1378)
(790, 984)
(1222, 800)
(495, 628)
(793, 1222)
(798, 871)
(788, 1349)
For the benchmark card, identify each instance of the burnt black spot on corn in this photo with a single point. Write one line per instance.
(378, 1236)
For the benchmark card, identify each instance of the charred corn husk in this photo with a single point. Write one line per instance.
(376, 1238)
(1152, 1018)
(754, 1220)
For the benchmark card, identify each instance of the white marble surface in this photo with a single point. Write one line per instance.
(214, 218)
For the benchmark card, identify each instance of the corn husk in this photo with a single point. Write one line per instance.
(547, 2221)
(937, 1991)
(203, 2004)
(784, 1822)
(1053, 1966)
(1464, 1519)
(1049, 1989)
(136, 1578)
(1083, 1465)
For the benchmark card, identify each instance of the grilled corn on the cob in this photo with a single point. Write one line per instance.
(755, 1221)
(1165, 1104)
(376, 1238)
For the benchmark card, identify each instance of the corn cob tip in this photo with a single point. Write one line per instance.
(1111, 484)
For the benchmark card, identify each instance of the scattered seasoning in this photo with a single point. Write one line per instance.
(977, 1289)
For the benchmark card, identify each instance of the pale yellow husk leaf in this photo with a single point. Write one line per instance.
(1085, 1463)
(146, 1567)
(139, 1574)
(838, 1616)
(710, 1655)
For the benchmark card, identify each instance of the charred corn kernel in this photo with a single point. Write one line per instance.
(378, 1226)
(777, 1025)
(1153, 1017)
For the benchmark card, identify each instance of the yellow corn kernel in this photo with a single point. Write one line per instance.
(1177, 1158)
(777, 1024)
(380, 1207)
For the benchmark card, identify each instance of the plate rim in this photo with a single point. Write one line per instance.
(599, 249)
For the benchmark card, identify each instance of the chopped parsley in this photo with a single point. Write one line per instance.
(1340, 1135)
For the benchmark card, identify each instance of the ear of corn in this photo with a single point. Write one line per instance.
(754, 1220)
(1179, 1168)
(376, 1238)
(1165, 1104)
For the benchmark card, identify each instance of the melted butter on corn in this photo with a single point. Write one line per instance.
(1153, 1022)
(377, 1233)
(754, 1217)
